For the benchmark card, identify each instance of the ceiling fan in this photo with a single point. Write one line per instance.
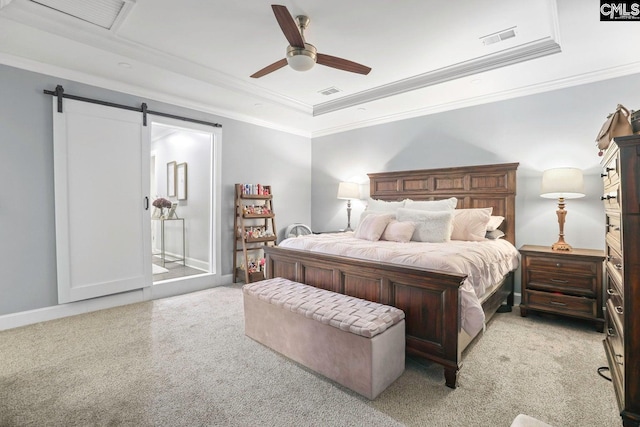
(302, 56)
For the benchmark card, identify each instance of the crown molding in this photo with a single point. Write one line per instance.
(525, 52)
(575, 80)
(134, 90)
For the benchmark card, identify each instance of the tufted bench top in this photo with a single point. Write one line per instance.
(355, 315)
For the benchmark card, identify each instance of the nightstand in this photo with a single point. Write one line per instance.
(564, 283)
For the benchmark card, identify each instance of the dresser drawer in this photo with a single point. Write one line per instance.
(613, 229)
(611, 197)
(610, 173)
(615, 310)
(612, 286)
(566, 283)
(561, 304)
(614, 343)
(614, 266)
(567, 266)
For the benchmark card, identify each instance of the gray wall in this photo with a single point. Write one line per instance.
(27, 235)
(542, 131)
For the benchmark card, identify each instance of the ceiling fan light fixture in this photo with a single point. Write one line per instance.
(302, 59)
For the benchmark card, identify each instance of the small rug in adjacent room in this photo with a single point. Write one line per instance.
(158, 270)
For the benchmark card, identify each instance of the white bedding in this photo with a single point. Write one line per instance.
(484, 263)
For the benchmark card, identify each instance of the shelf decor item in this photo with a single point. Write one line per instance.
(255, 228)
(561, 184)
(348, 191)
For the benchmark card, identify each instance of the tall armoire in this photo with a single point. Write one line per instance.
(621, 175)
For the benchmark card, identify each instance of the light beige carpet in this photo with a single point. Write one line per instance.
(184, 361)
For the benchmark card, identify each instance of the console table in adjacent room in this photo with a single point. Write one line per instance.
(162, 253)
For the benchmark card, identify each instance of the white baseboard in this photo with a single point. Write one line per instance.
(167, 288)
(163, 289)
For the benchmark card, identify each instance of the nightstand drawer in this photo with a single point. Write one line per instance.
(561, 304)
(567, 266)
(552, 281)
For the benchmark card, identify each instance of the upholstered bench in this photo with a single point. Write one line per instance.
(354, 342)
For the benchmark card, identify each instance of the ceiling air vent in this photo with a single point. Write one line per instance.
(102, 13)
(329, 91)
(499, 36)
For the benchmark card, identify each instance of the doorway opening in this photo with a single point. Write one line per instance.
(182, 191)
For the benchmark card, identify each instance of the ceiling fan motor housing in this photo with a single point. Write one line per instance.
(302, 59)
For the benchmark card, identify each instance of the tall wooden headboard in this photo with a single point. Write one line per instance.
(474, 186)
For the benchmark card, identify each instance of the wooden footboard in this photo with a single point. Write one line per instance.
(430, 299)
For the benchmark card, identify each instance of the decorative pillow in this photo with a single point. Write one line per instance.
(494, 222)
(431, 226)
(397, 231)
(432, 205)
(470, 224)
(494, 234)
(372, 227)
(383, 205)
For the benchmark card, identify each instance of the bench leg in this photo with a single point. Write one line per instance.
(451, 377)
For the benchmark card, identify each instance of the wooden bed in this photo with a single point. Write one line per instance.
(430, 299)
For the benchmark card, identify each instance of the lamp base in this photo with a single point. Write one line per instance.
(561, 245)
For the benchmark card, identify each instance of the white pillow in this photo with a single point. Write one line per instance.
(431, 226)
(383, 205)
(432, 205)
(370, 212)
(372, 227)
(470, 224)
(397, 231)
(494, 222)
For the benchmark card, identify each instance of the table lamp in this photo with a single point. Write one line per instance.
(561, 184)
(348, 191)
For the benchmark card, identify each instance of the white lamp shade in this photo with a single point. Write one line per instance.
(348, 190)
(562, 182)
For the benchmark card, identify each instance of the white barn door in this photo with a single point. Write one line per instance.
(101, 169)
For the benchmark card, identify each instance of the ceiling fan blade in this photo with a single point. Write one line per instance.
(270, 68)
(288, 25)
(342, 64)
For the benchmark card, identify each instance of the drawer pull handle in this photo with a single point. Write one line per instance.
(607, 197)
(610, 332)
(619, 309)
(611, 292)
(559, 281)
(606, 172)
(558, 265)
(615, 227)
(557, 303)
(618, 266)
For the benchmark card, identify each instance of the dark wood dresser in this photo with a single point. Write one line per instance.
(567, 283)
(621, 176)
